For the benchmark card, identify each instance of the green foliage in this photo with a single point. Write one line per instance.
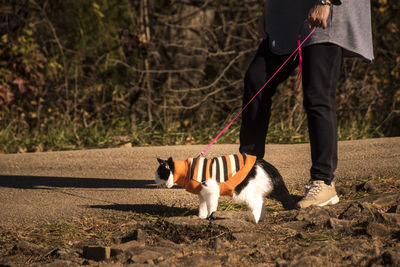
(105, 73)
(21, 69)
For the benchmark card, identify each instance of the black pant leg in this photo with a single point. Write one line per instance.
(255, 118)
(321, 71)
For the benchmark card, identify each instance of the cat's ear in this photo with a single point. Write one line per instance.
(170, 162)
(160, 160)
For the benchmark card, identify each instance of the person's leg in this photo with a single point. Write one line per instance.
(255, 118)
(321, 71)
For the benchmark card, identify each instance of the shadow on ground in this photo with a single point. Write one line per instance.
(148, 209)
(38, 182)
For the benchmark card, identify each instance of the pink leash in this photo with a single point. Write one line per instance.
(300, 71)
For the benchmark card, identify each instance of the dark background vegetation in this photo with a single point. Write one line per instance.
(103, 73)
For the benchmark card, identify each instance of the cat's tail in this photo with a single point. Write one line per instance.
(280, 191)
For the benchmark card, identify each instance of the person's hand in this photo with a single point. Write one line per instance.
(318, 16)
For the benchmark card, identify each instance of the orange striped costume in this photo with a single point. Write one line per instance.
(228, 171)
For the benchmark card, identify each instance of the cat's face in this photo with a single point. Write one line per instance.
(165, 173)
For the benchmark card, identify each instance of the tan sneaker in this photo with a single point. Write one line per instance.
(319, 194)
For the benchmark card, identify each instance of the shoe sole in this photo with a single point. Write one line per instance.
(331, 201)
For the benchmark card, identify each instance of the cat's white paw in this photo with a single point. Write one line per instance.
(210, 193)
(202, 208)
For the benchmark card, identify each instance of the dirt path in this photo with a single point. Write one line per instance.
(101, 208)
(53, 186)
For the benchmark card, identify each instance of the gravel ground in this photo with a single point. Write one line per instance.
(101, 208)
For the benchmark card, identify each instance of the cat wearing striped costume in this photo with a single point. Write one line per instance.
(244, 177)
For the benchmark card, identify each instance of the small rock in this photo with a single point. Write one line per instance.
(342, 190)
(383, 200)
(351, 211)
(358, 211)
(28, 248)
(96, 253)
(147, 255)
(118, 248)
(162, 242)
(138, 235)
(369, 187)
(187, 221)
(375, 229)
(315, 215)
(392, 219)
(343, 226)
(62, 254)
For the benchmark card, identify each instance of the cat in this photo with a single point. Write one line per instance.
(244, 177)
